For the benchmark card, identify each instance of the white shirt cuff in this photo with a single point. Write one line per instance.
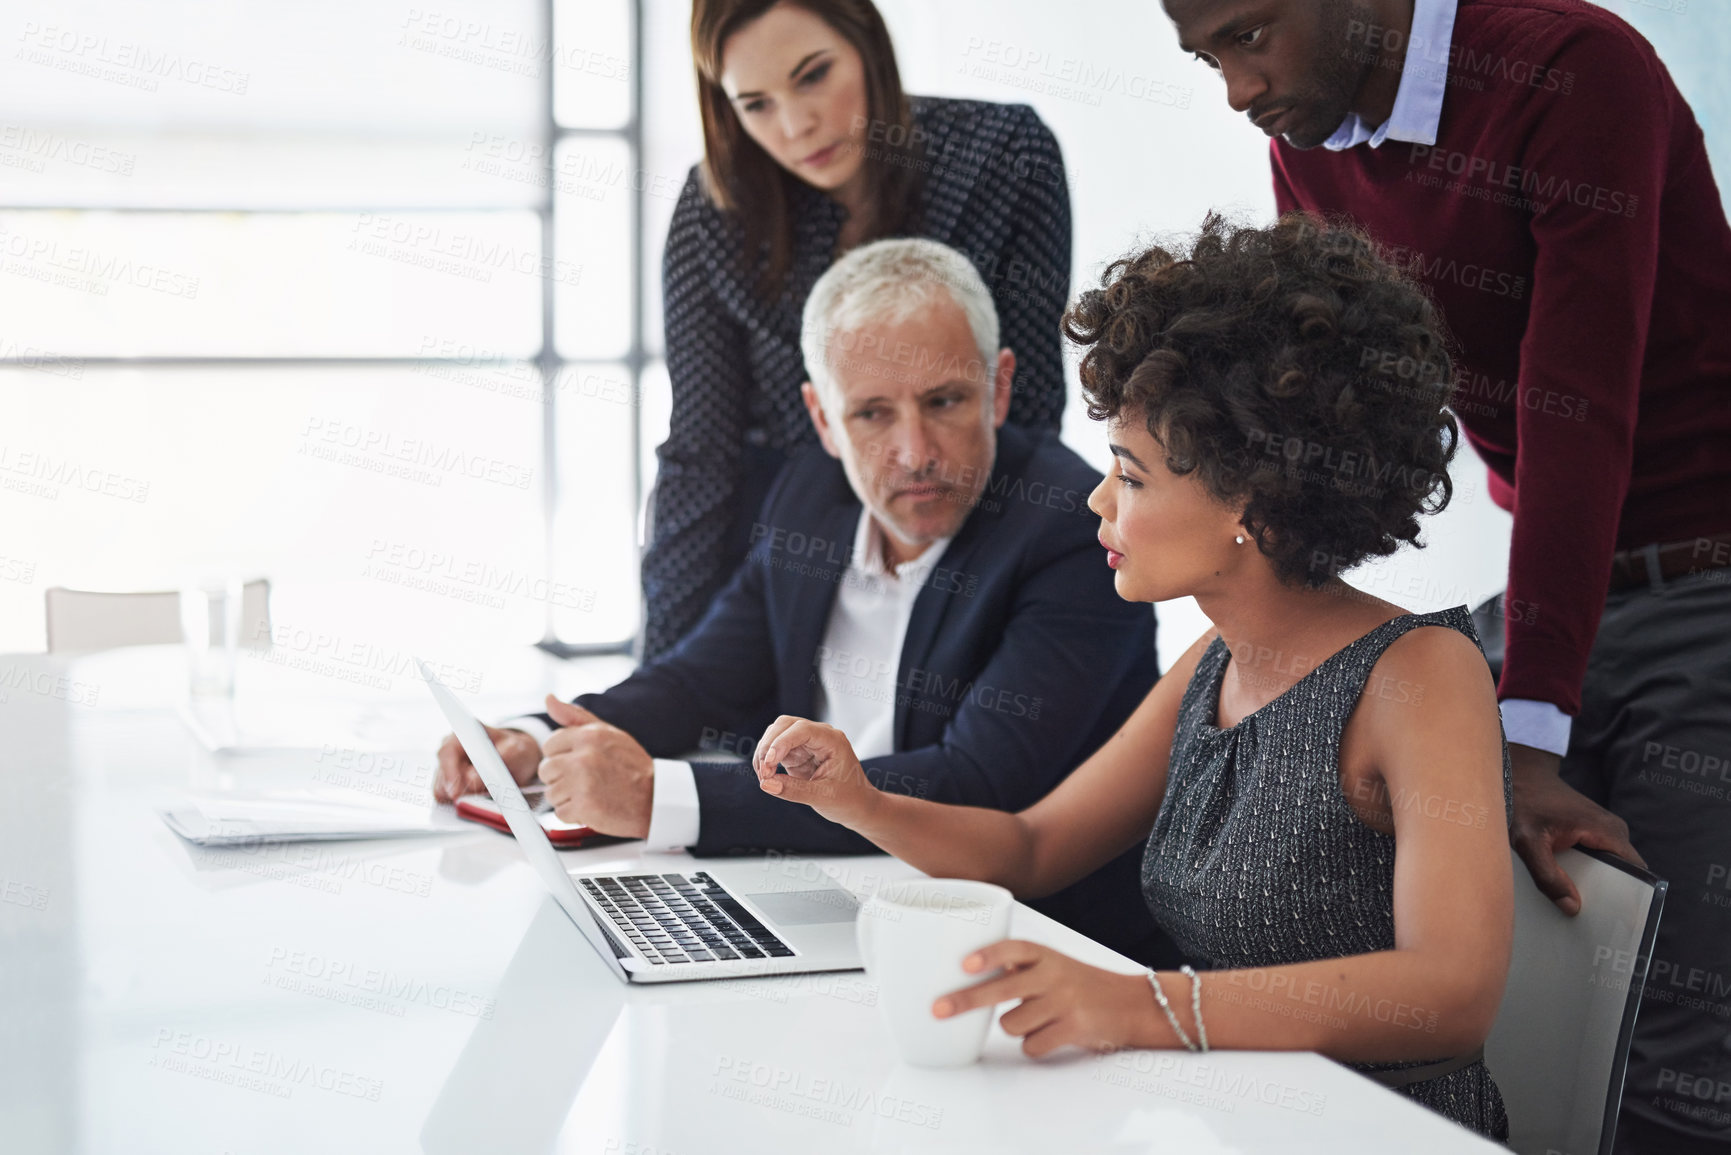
(1540, 725)
(531, 726)
(673, 817)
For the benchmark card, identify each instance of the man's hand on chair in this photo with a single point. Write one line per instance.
(1550, 815)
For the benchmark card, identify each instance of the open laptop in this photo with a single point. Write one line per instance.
(733, 920)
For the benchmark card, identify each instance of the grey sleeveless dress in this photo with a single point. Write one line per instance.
(1256, 858)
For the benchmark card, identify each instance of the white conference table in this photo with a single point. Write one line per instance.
(426, 995)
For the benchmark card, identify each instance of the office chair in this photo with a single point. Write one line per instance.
(83, 620)
(1560, 1044)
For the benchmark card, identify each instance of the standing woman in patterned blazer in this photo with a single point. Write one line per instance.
(811, 149)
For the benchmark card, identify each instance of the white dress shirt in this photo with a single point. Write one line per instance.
(1423, 78)
(1417, 114)
(860, 657)
(855, 671)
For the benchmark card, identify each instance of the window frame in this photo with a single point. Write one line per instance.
(547, 360)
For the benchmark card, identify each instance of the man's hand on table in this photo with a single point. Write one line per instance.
(458, 776)
(1550, 815)
(597, 774)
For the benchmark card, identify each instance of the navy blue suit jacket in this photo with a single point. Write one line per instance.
(1020, 660)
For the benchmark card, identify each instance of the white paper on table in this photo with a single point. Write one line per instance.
(301, 816)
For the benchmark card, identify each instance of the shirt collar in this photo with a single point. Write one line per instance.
(868, 552)
(1423, 79)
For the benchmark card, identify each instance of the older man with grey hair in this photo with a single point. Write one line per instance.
(929, 582)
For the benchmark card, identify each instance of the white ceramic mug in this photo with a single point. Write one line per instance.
(913, 935)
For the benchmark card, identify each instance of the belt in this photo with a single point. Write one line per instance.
(1406, 1076)
(1653, 564)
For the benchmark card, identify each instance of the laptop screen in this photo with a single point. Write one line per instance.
(518, 816)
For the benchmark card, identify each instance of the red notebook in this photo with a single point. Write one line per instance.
(565, 835)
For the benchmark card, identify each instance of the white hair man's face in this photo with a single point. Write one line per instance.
(913, 418)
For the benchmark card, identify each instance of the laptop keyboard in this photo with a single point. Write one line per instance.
(675, 918)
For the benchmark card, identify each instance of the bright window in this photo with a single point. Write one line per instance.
(282, 288)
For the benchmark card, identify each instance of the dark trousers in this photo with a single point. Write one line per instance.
(1652, 745)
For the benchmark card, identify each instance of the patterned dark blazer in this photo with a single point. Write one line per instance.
(993, 187)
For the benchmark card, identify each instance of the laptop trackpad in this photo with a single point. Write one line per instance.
(805, 907)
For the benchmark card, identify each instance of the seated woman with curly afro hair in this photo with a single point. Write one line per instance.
(1321, 781)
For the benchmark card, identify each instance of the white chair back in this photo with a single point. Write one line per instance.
(84, 620)
(1561, 1040)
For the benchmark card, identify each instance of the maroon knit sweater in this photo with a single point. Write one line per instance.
(1568, 225)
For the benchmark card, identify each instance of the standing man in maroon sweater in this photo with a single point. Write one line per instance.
(1533, 164)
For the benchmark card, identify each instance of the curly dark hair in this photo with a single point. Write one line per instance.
(1290, 368)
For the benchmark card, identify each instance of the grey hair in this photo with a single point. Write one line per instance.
(888, 282)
